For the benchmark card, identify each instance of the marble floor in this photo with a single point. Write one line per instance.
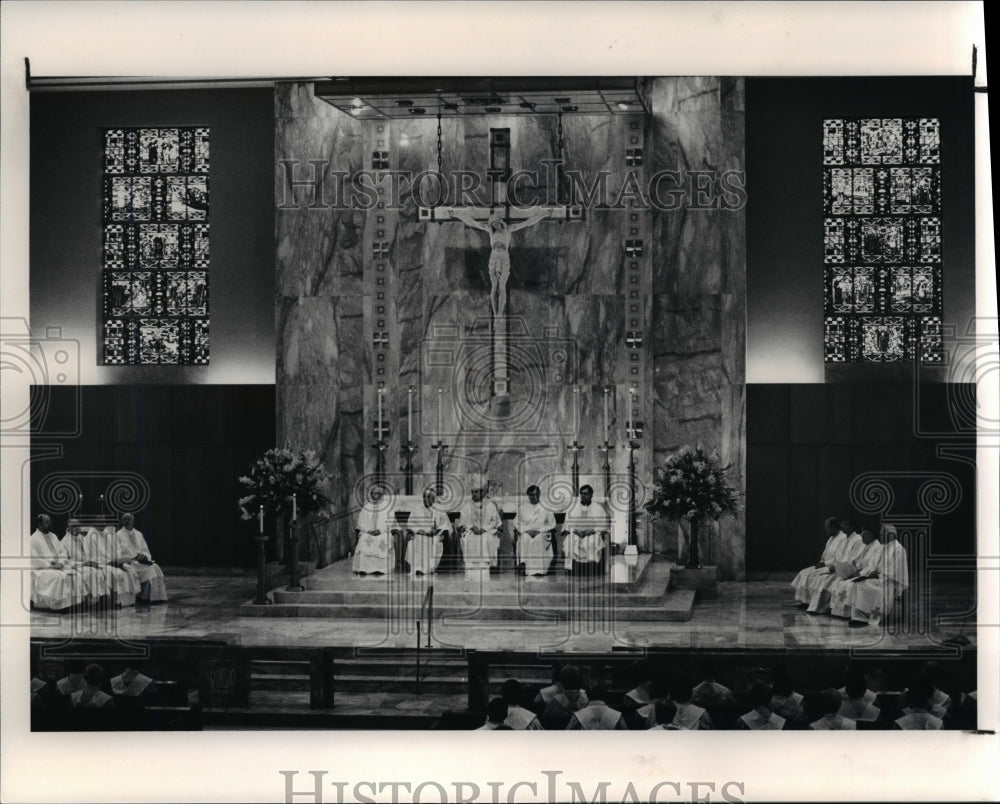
(752, 615)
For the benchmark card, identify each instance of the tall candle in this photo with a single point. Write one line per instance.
(576, 413)
(409, 414)
(628, 431)
(606, 392)
(440, 402)
(295, 509)
(380, 414)
(260, 518)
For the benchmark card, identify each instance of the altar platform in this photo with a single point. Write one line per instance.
(633, 588)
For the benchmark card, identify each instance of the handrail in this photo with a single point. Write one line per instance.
(428, 604)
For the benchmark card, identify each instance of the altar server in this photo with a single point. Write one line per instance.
(533, 530)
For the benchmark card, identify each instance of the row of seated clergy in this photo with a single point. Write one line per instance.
(858, 578)
(380, 535)
(90, 564)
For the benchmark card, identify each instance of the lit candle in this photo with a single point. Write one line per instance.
(260, 518)
(379, 436)
(295, 509)
(607, 391)
(409, 414)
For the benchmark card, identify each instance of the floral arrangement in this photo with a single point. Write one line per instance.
(691, 485)
(276, 476)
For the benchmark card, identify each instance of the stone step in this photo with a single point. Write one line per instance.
(429, 684)
(676, 606)
(278, 682)
(411, 604)
(279, 667)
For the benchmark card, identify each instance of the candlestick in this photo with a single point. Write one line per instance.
(295, 509)
(576, 414)
(260, 518)
(409, 414)
(440, 402)
(607, 391)
(628, 430)
(380, 390)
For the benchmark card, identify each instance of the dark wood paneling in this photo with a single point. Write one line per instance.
(821, 414)
(883, 414)
(768, 414)
(767, 520)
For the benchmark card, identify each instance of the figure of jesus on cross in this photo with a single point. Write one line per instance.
(499, 231)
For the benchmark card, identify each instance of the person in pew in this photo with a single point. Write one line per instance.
(786, 702)
(586, 535)
(760, 718)
(805, 581)
(40, 692)
(496, 714)
(479, 526)
(546, 694)
(96, 582)
(664, 711)
(689, 716)
(91, 696)
(842, 564)
(641, 694)
(561, 707)
(858, 700)
(917, 714)
(374, 550)
(518, 718)
(827, 706)
(130, 683)
(940, 700)
(134, 552)
(865, 563)
(55, 583)
(73, 681)
(710, 693)
(873, 595)
(597, 715)
(534, 526)
(426, 530)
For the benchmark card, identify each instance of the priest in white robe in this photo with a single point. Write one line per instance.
(374, 552)
(479, 524)
(873, 596)
(95, 583)
(588, 533)
(804, 582)
(133, 551)
(865, 563)
(125, 578)
(54, 580)
(843, 560)
(533, 530)
(427, 527)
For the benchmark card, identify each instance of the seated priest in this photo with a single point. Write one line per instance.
(54, 580)
(865, 563)
(533, 529)
(134, 552)
(808, 579)
(374, 551)
(479, 524)
(426, 529)
(588, 533)
(873, 595)
(96, 583)
(843, 564)
(125, 584)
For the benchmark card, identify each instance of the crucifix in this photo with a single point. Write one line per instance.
(440, 446)
(499, 221)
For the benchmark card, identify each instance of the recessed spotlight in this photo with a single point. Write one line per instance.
(527, 105)
(623, 105)
(492, 109)
(417, 110)
(570, 108)
(404, 103)
(563, 100)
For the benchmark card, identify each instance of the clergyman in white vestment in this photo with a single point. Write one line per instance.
(95, 583)
(872, 596)
(588, 532)
(865, 563)
(533, 529)
(54, 582)
(479, 523)
(805, 581)
(428, 526)
(133, 551)
(375, 552)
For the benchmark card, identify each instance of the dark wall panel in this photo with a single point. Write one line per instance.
(189, 444)
(801, 465)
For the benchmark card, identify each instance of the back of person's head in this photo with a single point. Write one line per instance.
(920, 691)
(856, 685)
(760, 694)
(496, 710)
(830, 701)
(94, 675)
(641, 671)
(932, 672)
(511, 691)
(707, 669)
(666, 711)
(596, 690)
(556, 672)
(680, 689)
(781, 681)
(569, 677)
